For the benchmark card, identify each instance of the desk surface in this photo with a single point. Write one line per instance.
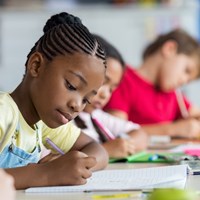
(192, 183)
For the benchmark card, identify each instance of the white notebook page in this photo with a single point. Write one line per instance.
(126, 179)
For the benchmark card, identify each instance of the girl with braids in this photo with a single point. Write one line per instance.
(147, 95)
(129, 138)
(64, 70)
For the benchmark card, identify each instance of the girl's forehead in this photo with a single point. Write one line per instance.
(81, 65)
(79, 61)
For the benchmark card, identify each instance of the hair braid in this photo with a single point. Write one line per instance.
(65, 34)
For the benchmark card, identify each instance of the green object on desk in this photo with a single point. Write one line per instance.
(172, 194)
(147, 157)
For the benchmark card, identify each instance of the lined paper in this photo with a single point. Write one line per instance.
(126, 179)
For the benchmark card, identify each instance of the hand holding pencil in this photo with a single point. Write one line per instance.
(72, 168)
(190, 125)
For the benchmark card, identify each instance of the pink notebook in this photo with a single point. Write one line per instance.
(192, 152)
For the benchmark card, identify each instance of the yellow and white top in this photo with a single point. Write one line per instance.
(64, 136)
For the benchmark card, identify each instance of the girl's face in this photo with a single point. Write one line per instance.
(176, 71)
(64, 86)
(113, 76)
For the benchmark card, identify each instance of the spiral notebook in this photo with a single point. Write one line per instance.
(125, 179)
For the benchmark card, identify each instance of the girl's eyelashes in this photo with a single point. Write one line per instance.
(70, 86)
(86, 101)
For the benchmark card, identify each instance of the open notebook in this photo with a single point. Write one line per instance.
(126, 179)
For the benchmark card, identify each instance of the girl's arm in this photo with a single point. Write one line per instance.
(90, 147)
(186, 128)
(73, 168)
(118, 113)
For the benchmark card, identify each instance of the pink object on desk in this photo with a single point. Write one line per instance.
(192, 152)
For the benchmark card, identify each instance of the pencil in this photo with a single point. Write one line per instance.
(181, 104)
(106, 131)
(55, 147)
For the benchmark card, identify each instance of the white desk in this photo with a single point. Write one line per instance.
(193, 182)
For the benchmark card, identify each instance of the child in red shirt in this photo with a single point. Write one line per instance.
(147, 95)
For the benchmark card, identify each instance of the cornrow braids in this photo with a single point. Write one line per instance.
(65, 34)
(110, 50)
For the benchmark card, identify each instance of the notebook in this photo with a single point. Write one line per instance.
(146, 157)
(125, 179)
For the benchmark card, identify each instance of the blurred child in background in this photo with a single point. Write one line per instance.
(147, 95)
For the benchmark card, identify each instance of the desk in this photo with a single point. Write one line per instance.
(192, 182)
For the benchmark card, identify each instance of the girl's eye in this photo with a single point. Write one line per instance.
(86, 101)
(70, 86)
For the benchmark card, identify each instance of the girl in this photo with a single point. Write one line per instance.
(147, 95)
(129, 138)
(64, 70)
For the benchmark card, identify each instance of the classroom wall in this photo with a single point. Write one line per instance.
(129, 28)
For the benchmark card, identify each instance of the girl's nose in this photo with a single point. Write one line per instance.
(104, 92)
(76, 106)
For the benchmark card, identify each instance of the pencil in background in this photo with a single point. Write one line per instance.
(181, 103)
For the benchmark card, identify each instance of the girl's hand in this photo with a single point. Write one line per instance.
(6, 186)
(140, 139)
(49, 158)
(120, 147)
(73, 168)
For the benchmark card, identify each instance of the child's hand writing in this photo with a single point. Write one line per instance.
(73, 168)
(188, 128)
(49, 158)
(124, 148)
(140, 139)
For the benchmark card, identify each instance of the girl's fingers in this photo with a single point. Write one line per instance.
(90, 162)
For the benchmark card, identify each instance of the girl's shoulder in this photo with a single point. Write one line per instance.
(8, 107)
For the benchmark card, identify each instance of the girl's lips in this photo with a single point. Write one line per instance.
(97, 105)
(64, 117)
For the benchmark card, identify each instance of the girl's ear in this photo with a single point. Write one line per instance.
(169, 48)
(34, 64)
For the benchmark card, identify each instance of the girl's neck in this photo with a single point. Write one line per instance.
(149, 69)
(25, 105)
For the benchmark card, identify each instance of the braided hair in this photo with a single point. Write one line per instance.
(65, 34)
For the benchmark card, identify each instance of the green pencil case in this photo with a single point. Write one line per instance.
(147, 157)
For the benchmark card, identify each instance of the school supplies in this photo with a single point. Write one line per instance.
(126, 180)
(147, 157)
(118, 195)
(162, 142)
(192, 152)
(106, 132)
(55, 147)
(181, 104)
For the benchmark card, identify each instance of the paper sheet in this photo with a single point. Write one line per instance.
(126, 179)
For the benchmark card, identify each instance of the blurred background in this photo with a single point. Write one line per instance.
(129, 24)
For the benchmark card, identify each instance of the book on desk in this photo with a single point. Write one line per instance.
(126, 180)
